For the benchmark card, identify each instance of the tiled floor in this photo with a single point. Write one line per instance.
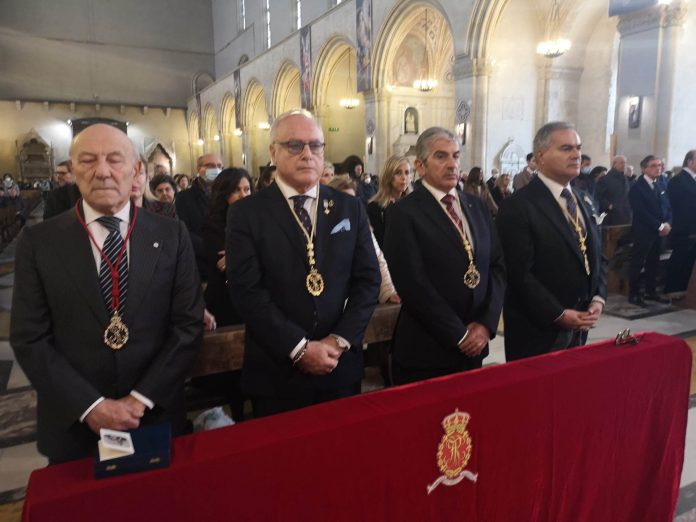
(17, 461)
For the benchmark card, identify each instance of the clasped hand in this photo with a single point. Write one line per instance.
(476, 339)
(121, 414)
(321, 357)
(579, 320)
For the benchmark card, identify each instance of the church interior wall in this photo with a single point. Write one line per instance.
(513, 83)
(598, 92)
(113, 52)
(145, 128)
(684, 101)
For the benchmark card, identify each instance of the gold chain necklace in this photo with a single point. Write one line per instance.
(472, 277)
(575, 221)
(314, 281)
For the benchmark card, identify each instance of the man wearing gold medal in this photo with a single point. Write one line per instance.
(447, 266)
(303, 274)
(556, 272)
(107, 306)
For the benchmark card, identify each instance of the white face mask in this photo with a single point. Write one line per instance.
(211, 174)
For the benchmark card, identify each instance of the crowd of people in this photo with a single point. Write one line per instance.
(111, 301)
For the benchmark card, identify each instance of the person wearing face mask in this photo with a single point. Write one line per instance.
(192, 205)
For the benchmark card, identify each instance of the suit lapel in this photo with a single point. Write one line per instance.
(143, 256)
(325, 222)
(593, 242)
(75, 252)
(279, 210)
(434, 211)
(542, 197)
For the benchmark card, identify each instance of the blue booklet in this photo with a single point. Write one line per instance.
(152, 445)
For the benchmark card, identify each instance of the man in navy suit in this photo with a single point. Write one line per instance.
(556, 285)
(63, 302)
(447, 265)
(303, 274)
(650, 223)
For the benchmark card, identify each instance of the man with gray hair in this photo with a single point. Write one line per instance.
(612, 194)
(556, 274)
(303, 274)
(446, 263)
(107, 306)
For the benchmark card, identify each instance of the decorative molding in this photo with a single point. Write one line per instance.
(467, 67)
(674, 14)
(46, 106)
(569, 74)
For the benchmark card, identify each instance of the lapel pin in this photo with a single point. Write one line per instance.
(156, 245)
(328, 204)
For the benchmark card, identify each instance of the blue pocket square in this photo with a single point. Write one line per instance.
(343, 226)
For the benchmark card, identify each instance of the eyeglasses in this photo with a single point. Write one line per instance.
(296, 147)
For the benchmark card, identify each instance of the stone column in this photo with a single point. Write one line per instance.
(471, 76)
(560, 89)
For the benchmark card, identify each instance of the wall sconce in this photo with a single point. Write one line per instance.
(216, 137)
(237, 132)
(264, 125)
(201, 142)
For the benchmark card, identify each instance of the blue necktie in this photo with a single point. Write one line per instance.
(111, 248)
(301, 211)
(572, 208)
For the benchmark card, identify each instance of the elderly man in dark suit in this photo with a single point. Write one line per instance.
(107, 307)
(612, 194)
(650, 223)
(303, 273)
(447, 265)
(682, 197)
(556, 285)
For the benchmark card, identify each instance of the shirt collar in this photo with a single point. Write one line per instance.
(650, 182)
(92, 215)
(693, 175)
(555, 187)
(437, 193)
(289, 192)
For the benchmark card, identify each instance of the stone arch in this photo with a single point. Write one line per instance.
(286, 89)
(335, 78)
(200, 81)
(211, 130)
(254, 114)
(231, 137)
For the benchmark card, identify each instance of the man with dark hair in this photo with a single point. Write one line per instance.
(192, 205)
(612, 194)
(556, 285)
(650, 224)
(682, 197)
(106, 310)
(66, 193)
(526, 175)
(303, 274)
(447, 265)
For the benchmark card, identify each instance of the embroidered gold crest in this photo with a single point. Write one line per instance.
(454, 451)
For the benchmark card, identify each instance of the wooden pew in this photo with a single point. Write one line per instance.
(223, 349)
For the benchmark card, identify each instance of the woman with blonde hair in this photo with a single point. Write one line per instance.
(394, 184)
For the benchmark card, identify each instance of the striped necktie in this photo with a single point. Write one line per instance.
(112, 247)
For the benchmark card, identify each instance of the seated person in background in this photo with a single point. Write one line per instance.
(328, 174)
(139, 200)
(182, 182)
(229, 187)
(387, 292)
(395, 183)
(163, 187)
(501, 189)
(475, 186)
(267, 177)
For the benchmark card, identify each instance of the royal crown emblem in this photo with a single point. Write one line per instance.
(454, 451)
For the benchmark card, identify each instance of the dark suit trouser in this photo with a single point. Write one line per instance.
(645, 254)
(681, 263)
(265, 406)
(404, 375)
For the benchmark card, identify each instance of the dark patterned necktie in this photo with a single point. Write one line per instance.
(301, 211)
(111, 249)
(448, 200)
(572, 207)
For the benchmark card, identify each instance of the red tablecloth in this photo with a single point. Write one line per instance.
(591, 434)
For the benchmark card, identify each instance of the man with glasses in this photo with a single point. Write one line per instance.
(303, 274)
(64, 195)
(192, 205)
(651, 222)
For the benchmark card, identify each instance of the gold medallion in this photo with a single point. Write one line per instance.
(315, 282)
(116, 334)
(472, 277)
